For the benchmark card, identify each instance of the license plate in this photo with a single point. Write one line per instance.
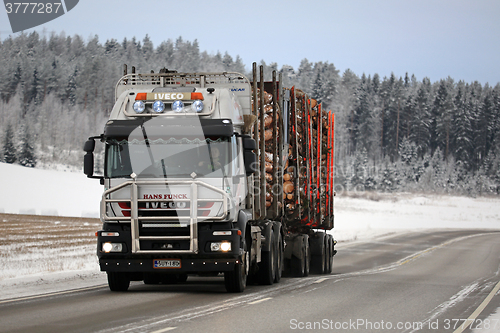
(167, 263)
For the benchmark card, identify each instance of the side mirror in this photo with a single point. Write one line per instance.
(88, 159)
(88, 164)
(249, 143)
(249, 156)
(89, 146)
(250, 162)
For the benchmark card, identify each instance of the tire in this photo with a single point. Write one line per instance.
(267, 266)
(236, 280)
(298, 265)
(279, 259)
(318, 257)
(326, 255)
(330, 255)
(118, 281)
(307, 256)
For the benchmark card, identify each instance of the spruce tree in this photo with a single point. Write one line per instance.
(442, 116)
(420, 119)
(26, 152)
(71, 88)
(9, 149)
(462, 132)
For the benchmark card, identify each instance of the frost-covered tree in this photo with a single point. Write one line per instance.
(8, 147)
(26, 153)
(71, 88)
(389, 178)
(420, 119)
(442, 116)
(462, 131)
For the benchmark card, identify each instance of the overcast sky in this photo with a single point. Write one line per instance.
(428, 38)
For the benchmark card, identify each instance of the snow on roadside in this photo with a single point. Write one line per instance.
(45, 283)
(48, 192)
(357, 218)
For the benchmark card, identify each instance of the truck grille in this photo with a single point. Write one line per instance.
(164, 230)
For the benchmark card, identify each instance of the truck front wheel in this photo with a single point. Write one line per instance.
(118, 281)
(236, 280)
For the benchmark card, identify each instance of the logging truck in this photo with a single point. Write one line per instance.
(214, 174)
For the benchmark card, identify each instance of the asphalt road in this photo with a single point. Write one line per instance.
(415, 282)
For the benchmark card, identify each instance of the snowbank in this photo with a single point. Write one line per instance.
(48, 192)
(361, 218)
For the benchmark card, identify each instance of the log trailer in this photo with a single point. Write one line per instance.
(211, 173)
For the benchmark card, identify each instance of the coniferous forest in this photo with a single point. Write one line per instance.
(392, 133)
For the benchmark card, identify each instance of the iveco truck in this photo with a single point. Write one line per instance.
(214, 173)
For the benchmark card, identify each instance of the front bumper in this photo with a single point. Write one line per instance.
(188, 265)
(204, 260)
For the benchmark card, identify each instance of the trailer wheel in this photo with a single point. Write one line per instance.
(297, 266)
(267, 265)
(300, 266)
(279, 259)
(318, 251)
(326, 255)
(118, 281)
(307, 256)
(330, 255)
(236, 280)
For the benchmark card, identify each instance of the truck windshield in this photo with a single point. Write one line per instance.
(164, 158)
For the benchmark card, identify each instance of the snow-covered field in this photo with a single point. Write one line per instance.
(48, 192)
(57, 193)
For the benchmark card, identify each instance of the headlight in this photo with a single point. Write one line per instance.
(139, 106)
(158, 106)
(220, 247)
(197, 106)
(177, 106)
(112, 247)
(225, 246)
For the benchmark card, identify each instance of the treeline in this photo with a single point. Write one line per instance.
(403, 134)
(392, 133)
(61, 88)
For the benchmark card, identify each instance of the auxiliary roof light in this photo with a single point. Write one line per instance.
(139, 106)
(158, 106)
(177, 106)
(197, 106)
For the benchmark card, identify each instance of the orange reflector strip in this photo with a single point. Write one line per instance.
(140, 96)
(96, 234)
(197, 95)
(239, 232)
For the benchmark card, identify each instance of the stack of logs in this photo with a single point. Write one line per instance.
(268, 138)
(313, 191)
(297, 167)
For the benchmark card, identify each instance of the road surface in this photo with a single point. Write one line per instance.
(429, 281)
